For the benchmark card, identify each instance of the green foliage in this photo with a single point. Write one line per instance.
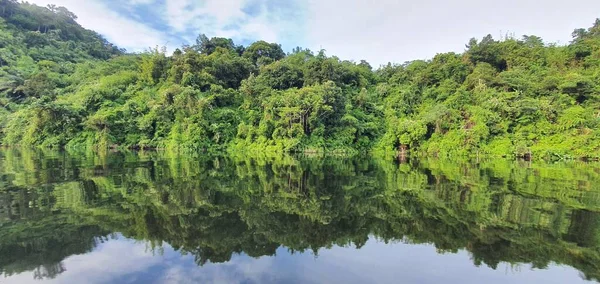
(513, 98)
(263, 53)
(510, 97)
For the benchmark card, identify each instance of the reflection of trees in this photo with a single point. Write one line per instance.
(214, 208)
(39, 245)
(48, 271)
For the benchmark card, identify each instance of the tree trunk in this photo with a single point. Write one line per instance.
(402, 151)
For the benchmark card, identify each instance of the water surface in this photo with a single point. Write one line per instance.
(158, 218)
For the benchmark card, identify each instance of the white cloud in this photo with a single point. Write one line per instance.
(378, 31)
(183, 15)
(125, 32)
(184, 19)
(140, 2)
(224, 19)
(397, 31)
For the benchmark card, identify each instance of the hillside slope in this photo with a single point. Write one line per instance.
(511, 97)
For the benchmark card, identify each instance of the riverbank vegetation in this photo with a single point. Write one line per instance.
(65, 86)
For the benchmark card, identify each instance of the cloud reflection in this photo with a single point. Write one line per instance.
(122, 260)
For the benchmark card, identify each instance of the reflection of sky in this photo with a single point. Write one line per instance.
(125, 261)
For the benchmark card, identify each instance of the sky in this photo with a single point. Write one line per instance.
(379, 31)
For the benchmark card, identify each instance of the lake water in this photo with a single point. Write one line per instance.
(159, 218)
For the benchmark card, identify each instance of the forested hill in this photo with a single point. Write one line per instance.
(64, 86)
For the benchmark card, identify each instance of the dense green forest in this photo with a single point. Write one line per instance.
(53, 205)
(64, 86)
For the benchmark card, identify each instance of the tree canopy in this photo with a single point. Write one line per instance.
(65, 86)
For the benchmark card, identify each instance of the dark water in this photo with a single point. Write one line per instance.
(158, 218)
